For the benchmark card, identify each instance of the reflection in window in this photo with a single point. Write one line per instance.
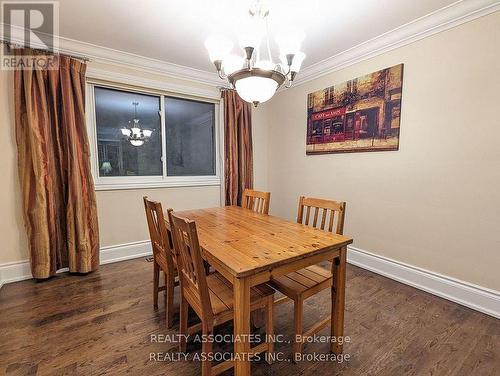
(190, 129)
(114, 110)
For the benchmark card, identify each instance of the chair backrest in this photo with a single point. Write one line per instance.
(333, 210)
(161, 240)
(256, 201)
(193, 279)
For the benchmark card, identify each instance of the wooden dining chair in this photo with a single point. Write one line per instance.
(210, 296)
(163, 255)
(326, 215)
(256, 200)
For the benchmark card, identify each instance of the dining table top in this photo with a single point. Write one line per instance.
(247, 242)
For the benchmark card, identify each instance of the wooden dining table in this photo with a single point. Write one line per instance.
(249, 248)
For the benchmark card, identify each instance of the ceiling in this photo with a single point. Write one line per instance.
(175, 30)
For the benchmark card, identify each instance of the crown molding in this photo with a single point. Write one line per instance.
(443, 19)
(121, 58)
(105, 75)
(111, 56)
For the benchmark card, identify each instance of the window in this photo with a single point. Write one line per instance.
(190, 137)
(114, 110)
(181, 149)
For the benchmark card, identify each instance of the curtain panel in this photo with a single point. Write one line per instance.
(238, 154)
(59, 203)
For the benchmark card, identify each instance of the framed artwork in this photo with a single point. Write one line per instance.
(359, 115)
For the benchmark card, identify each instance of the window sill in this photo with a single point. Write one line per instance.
(171, 182)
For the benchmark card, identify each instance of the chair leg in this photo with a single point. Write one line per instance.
(183, 321)
(156, 283)
(297, 341)
(169, 298)
(206, 349)
(258, 318)
(270, 329)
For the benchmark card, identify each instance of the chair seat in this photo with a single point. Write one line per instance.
(304, 282)
(222, 295)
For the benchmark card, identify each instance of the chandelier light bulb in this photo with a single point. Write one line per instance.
(137, 142)
(126, 132)
(290, 41)
(256, 89)
(218, 47)
(136, 131)
(147, 132)
(232, 63)
(297, 61)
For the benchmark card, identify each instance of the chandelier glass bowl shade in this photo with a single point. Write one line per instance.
(135, 134)
(254, 77)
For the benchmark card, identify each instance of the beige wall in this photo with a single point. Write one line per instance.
(260, 138)
(435, 203)
(14, 243)
(121, 214)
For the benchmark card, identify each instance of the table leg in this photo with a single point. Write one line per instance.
(241, 326)
(338, 300)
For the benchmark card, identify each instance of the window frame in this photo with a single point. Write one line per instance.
(163, 181)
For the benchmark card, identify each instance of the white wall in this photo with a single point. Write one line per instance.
(434, 203)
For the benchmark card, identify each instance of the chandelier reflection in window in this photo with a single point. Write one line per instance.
(134, 133)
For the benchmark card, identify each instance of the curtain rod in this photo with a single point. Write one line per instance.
(78, 57)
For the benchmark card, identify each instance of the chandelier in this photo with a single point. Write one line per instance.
(254, 77)
(135, 134)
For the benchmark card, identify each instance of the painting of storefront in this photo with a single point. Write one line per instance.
(359, 115)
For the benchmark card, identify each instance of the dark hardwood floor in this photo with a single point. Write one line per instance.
(102, 324)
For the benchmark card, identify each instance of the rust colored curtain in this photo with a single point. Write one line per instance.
(238, 155)
(59, 204)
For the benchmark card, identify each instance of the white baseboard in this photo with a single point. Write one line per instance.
(476, 297)
(122, 252)
(20, 270)
(467, 294)
(14, 271)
